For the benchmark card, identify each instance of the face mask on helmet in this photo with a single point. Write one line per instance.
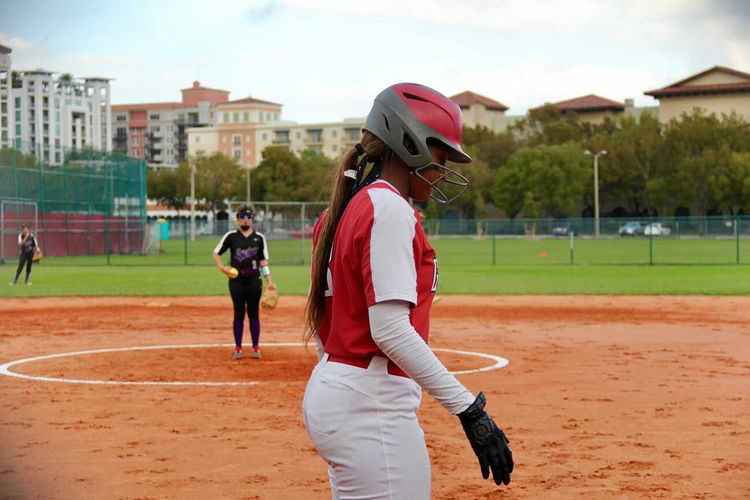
(409, 117)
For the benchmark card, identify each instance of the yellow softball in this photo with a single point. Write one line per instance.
(233, 272)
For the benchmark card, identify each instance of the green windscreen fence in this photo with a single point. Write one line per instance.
(78, 202)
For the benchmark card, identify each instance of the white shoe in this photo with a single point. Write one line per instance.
(237, 354)
(12, 283)
(255, 353)
(28, 283)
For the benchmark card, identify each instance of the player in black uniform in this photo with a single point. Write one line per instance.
(27, 246)
(249, 256)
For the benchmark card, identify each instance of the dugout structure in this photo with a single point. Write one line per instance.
(91, 203)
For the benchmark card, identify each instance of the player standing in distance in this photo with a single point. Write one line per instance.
(249, 256)
(27, 246)
(374, 276)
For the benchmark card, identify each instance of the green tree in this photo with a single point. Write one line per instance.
(634, 159)
(216, 179)
(554, 174)
(163, 186)
(730, 180)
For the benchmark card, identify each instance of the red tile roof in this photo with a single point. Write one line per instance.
(467, 98)
(197, 86)
(680, 88)
(148, 105)
(589, 103)
(249, 100)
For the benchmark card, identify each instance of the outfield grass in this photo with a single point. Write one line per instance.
(469, 251)
(468, 279)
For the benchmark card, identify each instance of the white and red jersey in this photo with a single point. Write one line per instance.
(380, 252)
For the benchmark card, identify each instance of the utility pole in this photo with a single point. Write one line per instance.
(596, 188)
(192, 200)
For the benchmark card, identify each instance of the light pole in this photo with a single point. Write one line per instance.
(247, 187)
(192, 200)
(596, 188)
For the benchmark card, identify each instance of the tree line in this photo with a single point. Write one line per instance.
(697, 164)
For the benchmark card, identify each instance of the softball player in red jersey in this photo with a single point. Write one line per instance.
(374, 275)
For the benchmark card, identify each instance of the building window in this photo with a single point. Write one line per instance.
(237, 155)
(299, 135)
(18, 102)
(281, 136)
(236, 140)
(276, 116)
(315, 135)
(197, 139)
(226, 117)
(245, 117)
(264, 136)
(153, 117)
(236, 117)
(334, 147)
(352, 134)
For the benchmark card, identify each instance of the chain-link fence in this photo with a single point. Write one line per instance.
(522, 242)
(80, 203)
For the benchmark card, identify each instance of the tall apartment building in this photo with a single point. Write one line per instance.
(45, 115)
(157, 131)
(6, 103)
(244, 140)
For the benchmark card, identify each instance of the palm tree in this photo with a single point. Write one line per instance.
(65, 82)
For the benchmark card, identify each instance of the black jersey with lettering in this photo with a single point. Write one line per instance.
(28, 245)
(246, 251)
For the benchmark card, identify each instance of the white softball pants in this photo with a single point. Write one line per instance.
(363, 423)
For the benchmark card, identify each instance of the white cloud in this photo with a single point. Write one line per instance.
(557, 15)
(14, 42)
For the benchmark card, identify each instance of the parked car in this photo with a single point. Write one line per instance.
(632, 228)
(563, 231)
(656, 229)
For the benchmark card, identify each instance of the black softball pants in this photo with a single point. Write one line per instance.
(245, 293)
(24, 258)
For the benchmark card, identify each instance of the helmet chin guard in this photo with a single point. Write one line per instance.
(408, 118)
(452, 183)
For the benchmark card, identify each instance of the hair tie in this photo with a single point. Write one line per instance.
(360, 149)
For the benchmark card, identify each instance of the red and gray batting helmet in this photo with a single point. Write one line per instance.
(408, 116)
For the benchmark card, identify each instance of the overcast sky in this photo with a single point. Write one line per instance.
(327, 59)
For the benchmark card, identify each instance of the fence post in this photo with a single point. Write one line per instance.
(185, 242)
(572, 235)
(494, 258)
(106, 239)
(737, 236)
(651, 242)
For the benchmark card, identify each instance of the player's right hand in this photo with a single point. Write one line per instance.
(488, 441)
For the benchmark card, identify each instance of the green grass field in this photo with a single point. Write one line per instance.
(522, 266)
(470, 251)
(469, 279)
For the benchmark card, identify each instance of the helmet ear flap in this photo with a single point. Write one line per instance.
(410, 145)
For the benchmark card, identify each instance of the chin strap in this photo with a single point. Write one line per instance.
(357, 175)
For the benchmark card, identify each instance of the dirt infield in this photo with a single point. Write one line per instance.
(604, 396)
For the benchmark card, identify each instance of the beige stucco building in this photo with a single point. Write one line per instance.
(591, 108)
(715, 90)
(478, 110)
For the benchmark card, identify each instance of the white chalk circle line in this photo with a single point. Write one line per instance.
(5, 369)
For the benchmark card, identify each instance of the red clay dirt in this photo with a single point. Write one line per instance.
(630, 397)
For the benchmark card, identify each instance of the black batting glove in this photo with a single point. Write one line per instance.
(488, 441)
